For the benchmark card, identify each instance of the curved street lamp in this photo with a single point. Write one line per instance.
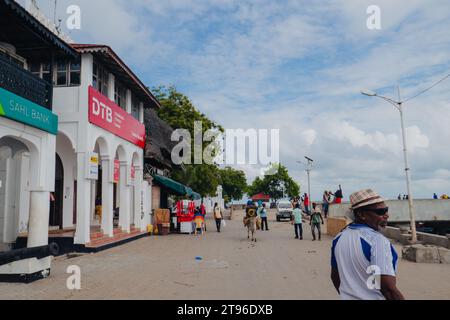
(399, 105)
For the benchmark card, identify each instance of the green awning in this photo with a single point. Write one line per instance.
(193, 195)
(176, 187)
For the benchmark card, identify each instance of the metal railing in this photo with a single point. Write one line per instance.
(25, 84)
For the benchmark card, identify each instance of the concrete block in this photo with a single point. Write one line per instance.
(444, 255)
(433, 239)
(336, 225)
(421, 253)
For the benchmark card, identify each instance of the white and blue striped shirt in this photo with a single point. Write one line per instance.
(357, 253)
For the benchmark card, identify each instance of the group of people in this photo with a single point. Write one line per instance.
(315, 222)
(443, 197)
(363, 261)
(200, 214)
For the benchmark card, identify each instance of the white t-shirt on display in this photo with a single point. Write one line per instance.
(358, 253)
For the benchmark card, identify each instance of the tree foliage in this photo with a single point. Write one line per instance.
(180, 113)
(234, 183)
(277, 185)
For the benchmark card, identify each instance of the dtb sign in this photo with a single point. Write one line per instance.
(107, 115)
(101, 110)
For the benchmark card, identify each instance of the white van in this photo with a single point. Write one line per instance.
(284, 210)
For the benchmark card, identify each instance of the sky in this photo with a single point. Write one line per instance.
(299, 66)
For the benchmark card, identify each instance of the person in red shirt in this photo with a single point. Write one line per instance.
(203, 211)
(338, 195)
(306, 203)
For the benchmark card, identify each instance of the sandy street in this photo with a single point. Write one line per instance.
(276, 267)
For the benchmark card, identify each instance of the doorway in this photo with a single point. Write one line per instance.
(56, 198)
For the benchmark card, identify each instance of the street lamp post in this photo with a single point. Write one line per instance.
(308, 171)
(400, 105)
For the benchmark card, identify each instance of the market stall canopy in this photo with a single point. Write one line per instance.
(176, 187)
(261, 197)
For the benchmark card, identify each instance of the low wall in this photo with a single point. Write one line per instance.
(425, 210)
(425, 238)
(336, 225)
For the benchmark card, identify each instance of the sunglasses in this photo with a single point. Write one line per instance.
(380, 211)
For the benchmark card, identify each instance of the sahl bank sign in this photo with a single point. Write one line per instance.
(22, 110)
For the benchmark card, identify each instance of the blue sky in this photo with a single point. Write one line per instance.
(299, 66)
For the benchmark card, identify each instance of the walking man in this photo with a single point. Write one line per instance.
(363, 261)
(325, 203)
(262, 212)
(298, 223)
(218, 216)
(316, 218)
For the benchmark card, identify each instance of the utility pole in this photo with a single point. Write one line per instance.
(308, 170)
(407, 171)
(399, 105)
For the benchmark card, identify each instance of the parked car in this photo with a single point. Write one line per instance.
(284, 211)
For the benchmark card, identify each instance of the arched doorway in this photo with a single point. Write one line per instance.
(64, 209)
(56, 198)
(122, 217)
(14, 189)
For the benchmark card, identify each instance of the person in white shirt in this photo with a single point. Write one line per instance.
(363, 261)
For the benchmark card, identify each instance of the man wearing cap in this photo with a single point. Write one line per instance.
(363, 261)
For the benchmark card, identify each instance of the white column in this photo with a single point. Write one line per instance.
(107, 197)
(138, 216)
(111, 86)
(92, 209)
(124, 216)
(83, 230)
(128, 109)
(39, 219)
(141, 112)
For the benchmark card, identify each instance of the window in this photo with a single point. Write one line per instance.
(135, 107)
(67, 73)
(41, 70)
(100, 79)
(120, 95)
(14, 58)
(61, 74)
(75, 73)
(45, 72)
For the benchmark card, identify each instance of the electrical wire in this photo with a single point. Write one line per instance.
(428, 89)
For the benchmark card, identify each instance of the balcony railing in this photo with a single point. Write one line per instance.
(25, 84)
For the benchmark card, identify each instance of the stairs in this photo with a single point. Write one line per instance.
(100, 242)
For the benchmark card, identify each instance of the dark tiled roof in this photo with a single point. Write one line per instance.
(158, 145)
(114, 60)
(36, 33)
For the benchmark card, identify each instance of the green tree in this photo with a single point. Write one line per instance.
(234, 183)
(277, 184)
(180, 113)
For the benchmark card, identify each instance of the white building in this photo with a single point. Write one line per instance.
(100, 104)
(28, 127)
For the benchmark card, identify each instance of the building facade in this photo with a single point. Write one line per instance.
(100, 145)
(28, 124)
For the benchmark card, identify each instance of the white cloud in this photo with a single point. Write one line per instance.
(299, 66)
